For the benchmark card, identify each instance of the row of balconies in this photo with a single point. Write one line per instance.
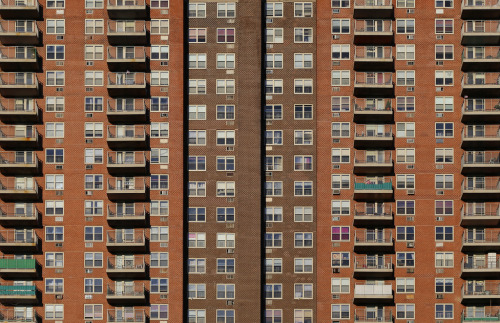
(116, 315)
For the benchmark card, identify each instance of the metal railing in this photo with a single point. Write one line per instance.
(126, 263)
(364, 315)
(365, 262)
(472, 183)
(481, 131)
(125, 158)
(124, 315)
(481, 314)
(362, 209)
(119, 210)
(373, 78)
(372, 157)
(374, 237)
(481, 105)
(373, 131)
(373, 52)
(481, 52)
(14, 184)
(139, 4)
(18, 27)
(126, 106)
(126, 53)
(19, 4)
(18, 52)
(478, 27)
(126, 236)
(13, 79)
(372, 26)
(11, 316)
(472, 4)
(123, 27)
(10, 211)
(18, 236)
(364, 183)
(372, 3)
(24, 106)
(126, 184)
(362, 289)
(485, 264)
(27, 158)
(481, 289)
(481, 236)
(137, 290)
(126, 79)
(372, 104)
(481, 78)
(481, 158)
(486, 209)
(125, 132)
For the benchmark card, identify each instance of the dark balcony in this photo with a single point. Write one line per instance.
(480, 268)
(129, 32)
(479, 137)
(480, 213)
(19, 162)
(11, 316)
(124, 58)
(379, 266)
(135, 293)
(373, 9)
(373, 32)
(126, 240)
(127, 188)
(18, 136)
(481, 314)
(128, 84)
(365, 293)
(127, 110)
(19, 110)
(11, 268)
(19, 32)
(19, 84)
(373, 58)
(480, 9)
(373, 162)
(373, 214)
(18, 58)
(11, 9)
(373, 84)
(481, 58)
(126, 162)
(126, 314)
(22, 214)
(18, 188)
(481, 32)
(483, 291)
(127, 136)
(373, 136)
(481, 162)
(18, 240)
(128, 266)
(480, 188)
(17, 294)
(480, 240)
(373, 240)
(481, 84)
(480, 110)
(373, 110)
(370, 316)
(377, 188)
(129, 212)
(130, 9)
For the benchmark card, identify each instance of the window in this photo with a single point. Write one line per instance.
(444, 259)
(341, 78)
(196, 189)
(444, 233)
(159, 285)
(405, 311)
(444, 129)
(94, 104)
(303, 86)
(303, 60)
(225, 112)
(159, 104)
(54, 155)
(340, 51)
(159, 78)
(225, 316)
(225, 189)
(197, 10)
(444, 26)
(274, 60)
(405, 207)
(197, 86)
(226, 240)
(159, 4)
(54, 104)
(274, 316)
(93, 311)
(225, 35)
(405, 129)
(341, 155)
(93, 285)
(303, 188)
(405, 155)
(444, 181)
(303, 316)
(197, 137)
(274, 112)
(226, 10)
(274, 86)
(55, 52)
(444, 311)
(444, 52)
(197, 316)
(94, 4)
(303, 213)
(303, 137)
(274, 239)
(444, 78)
(159, 312)
(94, 78)
(302, 162)
(225, 266)
(341, 103)
(54, 130)
(273, 291)
(93, 155)
(93, 182)
(444, 3)
(274, 35)
(444, 155)
(159, 234)
(55, 78)
(340, 259)
(341, 26)
(341, 181)
(55, 26)
(159, 26)
(93, 234)
(341, 130)
(225, 163)
(225, 291)
(405, 78)
(160, 52)
(94, 26)
(159, 156)
(54, 285)
(303, 239)
(341, 207)
(405, 103)
(196, 163)
(55, 4)
(444, 285)
(159, 260)
(405, 233)
(405, 26)
(405, 181)
(303, 291)
(405, 285)
(197, 35)
(94, 52)
(405, 259)
(303, 9)
(273, 188)
(54, 311)
(274, 9)
(340, 4)
(225, 86)
(274, 163)
(444, 207)
(159, 130)
(225, 137)
(197, 214)
(274, 137)
(443, 103)
(159, 182)
(54, 182)
(274, 265)
(54, 259)
(273, 214)
(226, 60)
(405, 52)
(341, 311)
(341, 285)
(159, 208)
(225, 214)
(54, 234)
(93, 208)
(93, 260)
(340, 233)
(54, 208)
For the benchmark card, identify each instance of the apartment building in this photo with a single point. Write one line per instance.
(249, 161)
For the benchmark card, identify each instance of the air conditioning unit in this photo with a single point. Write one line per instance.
(410, 244)
(59, 193)
(410, 218)
(164, 89)
(410, 115)
(410, 141)
(269, 225)
(230, 250)
(336, 89)
(439, 296)
(439, 115)
(269, 173)
(89, 12)
(335, 192)
(88, 192)
(269, 20)
(439, 218)
(335, 115)
(163, 219)
(334, 11)
(163, 296)
(335, 296)
(229, 302)
(89, 245)
(59, 244)
(229, 148)
(410, 166)
(60, 63)
(230, 225)
(230, 174)
(410, 270)
(410, 11)
(59, 296)
(163, 192)
(439, 192)
(410, 192)
(89, 115)
(410, 89)
(229, 276)
(410, 37)
(269, 302)
(89, 141)
(269, 71)
(439, 89)
(335, 166)
(336, 141)
(89, 218)
(230, 199)
(89, 271)
(439, 37)
(89, 166)
(164, 244)
(335, 37)
(59, 166)
(90, 63)
(335, 218)
(269, 123)
(439, 63)
(439, 166)
(335, 270)
(89, 89)
(164, 115)
(410, 63)
(60, 37)
(164, 64)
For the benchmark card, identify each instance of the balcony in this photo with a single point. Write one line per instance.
(12, 268)
(480, 137)
(134, 293)
(481, 162)
(373, 9)
(373, 32)
(370, 58)
(373, 240)
(11, 9)
(127, 110)
(19, 32)
(119, 212)
(373, 293)
(480, 188)
(373, 84)
(362, 315)
(19, 110)
(480, 9)
(482, 110)
(18, 188)
(481, 58)
(373, 110)
(481, 292)
(130, 9)
(480, 32)
(373, 266)
(23, 214)
(376, 188)
(129, 32)
(480, 240)
(11, 316)
(480, 84)
(127, 314)
(481, 213)
(372, 214)
(18, 58)
(18, 240)
(127, 136)
(127, 84)
(14, 295)
(481, 314)
(127, 188)
(126, 162)
(19, 162)
(372, 136)
(373, 162)
(128, 266)
(19, 84)
(484, 268)
(127, 57)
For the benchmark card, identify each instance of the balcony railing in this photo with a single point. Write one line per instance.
(479, 211)
(128, 54)
(480, 236)
(373, 53)
(480, 161)
(481, 132)
(17, 290)
(127, 133)
(374, 263)
(126, 263)
(10, 263)
(126, 28)
(18, 5)
(367, 316)
(22, 188)
(481, 314)
(124, 184)
(18, 80)
(372, 4)
(126, 237)
(480, 109)
(26, 54)
(485, 290)
(373, 132)
(21, 110)
(15, 159)
(483, 53)
(480, 32)
(137, 290)
(479, 4)
(372, 27)
(11, 316)
(127, 158)
(10, 212)
(486, 265)
(126, 4)
(380, 237)
(18, 28)
(481, 79)
(372, 292)
(373, 79)
(126, 107)
(126, 211)
(372, 212)
(122, 316)
(481, 184)
(364, 183)
(127, 79)
(381, 158)
(18, 237)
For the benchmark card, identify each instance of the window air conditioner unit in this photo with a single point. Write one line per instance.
(410, 244)
(410, 37)
(410, 270)
(335, 270)
(335, 192)
(410, 192)
(439, 296)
